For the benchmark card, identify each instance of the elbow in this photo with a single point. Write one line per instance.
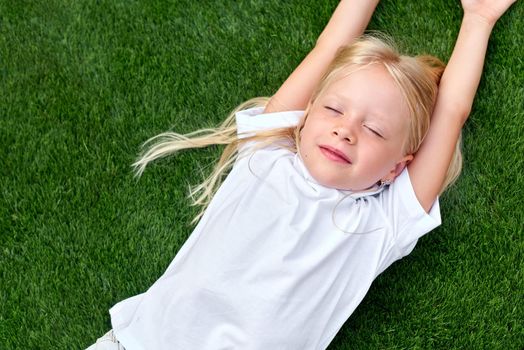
(454, 102)
(322, 41)
(326, 44)
(462, 112)
(456, 109)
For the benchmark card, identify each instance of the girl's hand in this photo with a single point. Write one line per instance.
(488, 10)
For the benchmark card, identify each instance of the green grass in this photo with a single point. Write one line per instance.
(84, 83)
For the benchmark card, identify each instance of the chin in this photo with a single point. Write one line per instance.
(326, 181)
(333, 183)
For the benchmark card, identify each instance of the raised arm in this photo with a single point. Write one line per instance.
(348, 21)
(457, 89)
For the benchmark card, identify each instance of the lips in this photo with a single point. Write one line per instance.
(334, 154)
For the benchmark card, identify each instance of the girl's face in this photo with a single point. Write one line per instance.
(355, 131)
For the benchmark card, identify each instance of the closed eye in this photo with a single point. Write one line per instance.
(374, 132)
(332, 109)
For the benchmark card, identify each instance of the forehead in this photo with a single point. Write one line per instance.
(370, 89)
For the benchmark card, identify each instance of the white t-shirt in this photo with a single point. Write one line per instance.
(269, 266)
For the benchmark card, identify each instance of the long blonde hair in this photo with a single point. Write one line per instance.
(417, 78)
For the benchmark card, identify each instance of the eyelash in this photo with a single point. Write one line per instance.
(332, 109)
(374, 132)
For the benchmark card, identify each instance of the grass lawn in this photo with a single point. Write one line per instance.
(84, 83)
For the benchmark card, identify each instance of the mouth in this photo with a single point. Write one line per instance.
(334, 154)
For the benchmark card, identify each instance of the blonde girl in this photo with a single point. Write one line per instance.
(328, 182)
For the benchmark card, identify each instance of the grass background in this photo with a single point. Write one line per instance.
(84, 83)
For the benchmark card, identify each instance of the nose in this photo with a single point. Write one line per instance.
(345, 133)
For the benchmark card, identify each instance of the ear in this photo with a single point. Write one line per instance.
(399, 167)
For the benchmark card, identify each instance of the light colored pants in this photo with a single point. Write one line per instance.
(107, 342)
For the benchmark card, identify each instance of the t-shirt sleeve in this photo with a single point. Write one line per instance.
(251, 120)
(409, 221)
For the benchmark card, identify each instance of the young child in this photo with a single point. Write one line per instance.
(317, 202)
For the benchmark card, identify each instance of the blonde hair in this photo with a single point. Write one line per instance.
(417, 77)
(226, 134)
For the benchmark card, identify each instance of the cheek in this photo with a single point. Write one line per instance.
(383, 155)
(306, 134)
(302, 142)
(390, 159)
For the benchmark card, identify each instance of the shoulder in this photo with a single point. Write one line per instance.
(406, 215)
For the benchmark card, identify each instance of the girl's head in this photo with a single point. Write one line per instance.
(373, 108)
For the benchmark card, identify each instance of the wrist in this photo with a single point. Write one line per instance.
(479, 20)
